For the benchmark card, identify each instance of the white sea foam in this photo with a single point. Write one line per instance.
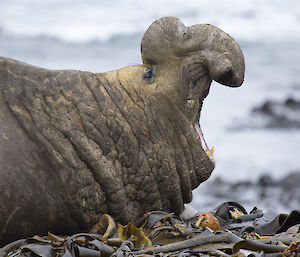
(82, 20)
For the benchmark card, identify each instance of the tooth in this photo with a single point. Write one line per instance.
(210, 152)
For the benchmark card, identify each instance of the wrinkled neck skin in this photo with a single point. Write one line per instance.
(114, 143)
(172, 105)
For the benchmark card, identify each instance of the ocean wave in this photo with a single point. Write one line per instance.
(81, 21)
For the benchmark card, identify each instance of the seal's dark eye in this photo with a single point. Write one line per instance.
(148, 75)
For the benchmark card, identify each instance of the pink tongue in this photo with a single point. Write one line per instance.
(200, 136)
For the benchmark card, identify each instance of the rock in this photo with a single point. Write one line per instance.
(279, 114)
(272, 114)
(279, 195)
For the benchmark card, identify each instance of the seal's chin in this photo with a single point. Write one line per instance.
(204, 146)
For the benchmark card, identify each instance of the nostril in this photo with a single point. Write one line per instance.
(227, 77)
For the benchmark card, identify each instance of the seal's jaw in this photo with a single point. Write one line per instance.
(195, 86)
(200, 135)
(199, 132)
(204, 145)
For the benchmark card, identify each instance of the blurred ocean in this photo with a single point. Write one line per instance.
(103, 35)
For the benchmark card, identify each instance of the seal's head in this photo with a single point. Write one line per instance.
(181, 63)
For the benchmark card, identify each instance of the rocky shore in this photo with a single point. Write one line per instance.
(267, 193)
(246, 218)
(228, 230)
(272, 114)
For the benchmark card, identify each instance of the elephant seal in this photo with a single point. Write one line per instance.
(75, 145)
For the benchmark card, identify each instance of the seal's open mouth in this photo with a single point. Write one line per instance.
(208, 151)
